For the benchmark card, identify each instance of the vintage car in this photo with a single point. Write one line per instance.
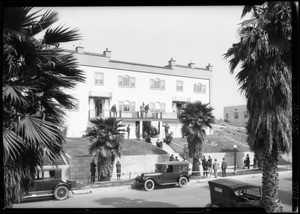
(226, 192)
(50, 186)
(166, 173)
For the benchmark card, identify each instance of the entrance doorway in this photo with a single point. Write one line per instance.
(98, 107)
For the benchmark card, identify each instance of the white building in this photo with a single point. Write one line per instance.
(127, 85)
(236, 114)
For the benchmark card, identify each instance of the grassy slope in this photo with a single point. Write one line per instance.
(80, 146)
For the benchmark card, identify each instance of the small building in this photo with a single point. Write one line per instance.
(237, 115)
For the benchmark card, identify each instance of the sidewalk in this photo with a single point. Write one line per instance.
(85, 186)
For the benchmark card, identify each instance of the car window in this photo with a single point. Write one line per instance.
(160, 168)
(48, 174)
(184, 168)
(176, 169)
(254, 191)
(170, 168)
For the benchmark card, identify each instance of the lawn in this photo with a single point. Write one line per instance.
(80, 146)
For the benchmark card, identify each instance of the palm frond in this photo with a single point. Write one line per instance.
(12, 145)
(60, 35)
(48, 18)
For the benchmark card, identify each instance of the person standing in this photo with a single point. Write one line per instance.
(114, 110)
(209, 164)
(93, 170)
(216, 167)
(118, 166)
(128, 131)
(171, 158)
(204, 166)
(224, 167)
(247, 161)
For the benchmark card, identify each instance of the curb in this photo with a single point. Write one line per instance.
(87, 188)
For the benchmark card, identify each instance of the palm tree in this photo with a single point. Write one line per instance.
(106, 137)
(35, 71)
(264, 54)
(195, 118)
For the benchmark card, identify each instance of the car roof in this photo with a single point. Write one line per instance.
(233, 184)
(174, 163)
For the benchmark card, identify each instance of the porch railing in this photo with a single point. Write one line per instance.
(135, 114)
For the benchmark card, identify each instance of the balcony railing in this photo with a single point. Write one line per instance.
(135, 114)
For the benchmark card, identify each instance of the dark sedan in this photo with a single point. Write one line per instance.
(166, 173)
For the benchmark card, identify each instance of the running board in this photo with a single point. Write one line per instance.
(37, 195)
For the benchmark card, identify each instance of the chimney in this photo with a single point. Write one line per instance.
(79, 49)
(107, 53)
(172, 63)
(191, 65)
(209, 67)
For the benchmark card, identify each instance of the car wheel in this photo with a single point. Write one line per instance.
(61, 193)
(149, 185)
(183, 182)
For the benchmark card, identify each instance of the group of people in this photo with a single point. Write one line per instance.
(209, 166)
(93, 170)
(172, 158)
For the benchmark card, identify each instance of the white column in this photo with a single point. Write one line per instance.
(161, 131)
(92, 107)
(141, 128)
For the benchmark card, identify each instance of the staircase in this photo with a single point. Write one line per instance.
(168, 149)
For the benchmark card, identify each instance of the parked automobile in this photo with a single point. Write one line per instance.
(226, 192)
(50, 186)
(166, 173)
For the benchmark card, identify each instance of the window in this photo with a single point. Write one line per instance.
(126, 81)
(236, 115)
(179, 85)
(126, 105)
(157, 84)
(199, 88)
(227, 115)
(98, 78)
(245, 114)
(157, 107)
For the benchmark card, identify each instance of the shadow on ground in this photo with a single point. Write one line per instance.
(120, 202)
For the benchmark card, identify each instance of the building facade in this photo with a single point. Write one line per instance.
(236, 114)
(129, 86)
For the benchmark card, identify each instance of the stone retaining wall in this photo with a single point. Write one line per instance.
(131, 165)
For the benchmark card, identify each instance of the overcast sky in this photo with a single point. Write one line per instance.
(152, 35)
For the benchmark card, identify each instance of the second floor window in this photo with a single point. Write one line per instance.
(126, 81)
(157, 84)
(179, 85)
(127, 106)
(199, 88)
(98, 78)
(158, 107)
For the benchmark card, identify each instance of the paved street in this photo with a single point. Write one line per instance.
(195, 195)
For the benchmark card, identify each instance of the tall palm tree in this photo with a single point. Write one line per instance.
(106, 137)
(264, 54)
(195, 118)
(35, 73)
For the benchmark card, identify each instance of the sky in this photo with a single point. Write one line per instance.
(153, 35)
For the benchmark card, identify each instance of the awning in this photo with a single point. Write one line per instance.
(100, 94)
(181, 99)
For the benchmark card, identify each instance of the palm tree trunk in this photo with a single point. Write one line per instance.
(196, 167)
(105, 169)
(270, 200)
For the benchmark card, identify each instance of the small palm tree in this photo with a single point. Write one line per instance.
(195, 118)
(264, 53)
(106, 137)
(35, 71)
